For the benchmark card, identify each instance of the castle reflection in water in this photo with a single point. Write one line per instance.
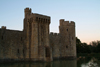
(58, 63)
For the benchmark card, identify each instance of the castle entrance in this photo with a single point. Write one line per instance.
(47, 53)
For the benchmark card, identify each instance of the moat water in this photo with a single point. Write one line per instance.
(80, 62)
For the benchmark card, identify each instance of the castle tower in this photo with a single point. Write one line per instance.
(36, 32)
(27, 12)
(68, 40)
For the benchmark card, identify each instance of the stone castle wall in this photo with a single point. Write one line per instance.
(64, 43)
(11, 44)
(55, 44)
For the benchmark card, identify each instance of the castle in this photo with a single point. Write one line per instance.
(35, 43)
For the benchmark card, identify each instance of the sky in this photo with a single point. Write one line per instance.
(85, 14)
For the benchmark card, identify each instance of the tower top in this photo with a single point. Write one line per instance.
(27, 11)
(3, 27)
(66, 23)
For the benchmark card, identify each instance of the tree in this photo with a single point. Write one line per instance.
(82, 47)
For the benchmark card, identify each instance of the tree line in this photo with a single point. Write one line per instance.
(93, 47)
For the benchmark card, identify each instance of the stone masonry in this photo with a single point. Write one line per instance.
(35, 43)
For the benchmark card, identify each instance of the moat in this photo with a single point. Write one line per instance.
(82, 62)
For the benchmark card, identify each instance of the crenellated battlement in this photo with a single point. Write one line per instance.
(66, 23)
(72, 22)
(35, 16)
(41, 18)
(27, 11)
(3, 27)
(54, 34)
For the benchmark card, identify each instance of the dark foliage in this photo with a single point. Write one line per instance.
(93, 47)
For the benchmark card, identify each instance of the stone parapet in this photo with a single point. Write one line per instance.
(66, 23)
(3, 27)
(54, 34)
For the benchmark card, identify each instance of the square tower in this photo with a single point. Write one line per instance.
(68, 39)
(36, 32)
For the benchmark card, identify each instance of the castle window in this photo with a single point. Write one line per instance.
(23, 51)
(46, 20)
(66, 46)
(67, 29)
(17, 50)
(47, 52)
(42, 39)
(21, 38)
(72, 38)
(36, 18)
(2, 38)
(39, 19)
(41, 27)
(28, 20)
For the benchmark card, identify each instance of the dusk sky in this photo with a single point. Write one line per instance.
(85, 13)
